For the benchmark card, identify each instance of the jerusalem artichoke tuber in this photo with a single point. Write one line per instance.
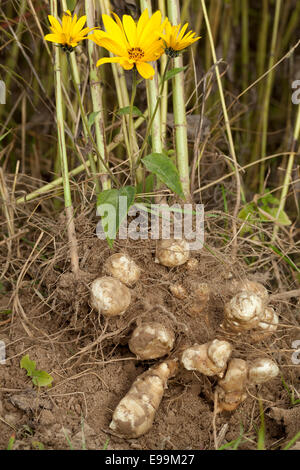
(135, 413)
(109, 296)
(151, 340)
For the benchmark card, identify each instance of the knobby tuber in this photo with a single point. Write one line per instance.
(250, 286)
(151, 340)
(110, 296)
(261, 370)
(172, 252)
(200, 295)
(178, 291)
(122, 267)
(135, 413)
(209, 358)
(267, 326)
(231, 390)
(243, 312)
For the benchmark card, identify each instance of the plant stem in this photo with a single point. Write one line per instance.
(153, 100)
(63, 155)
(288, 173)
(131, 147)
(96, 95)
(87, 127)
(164, 93)
(267, 95)
(149, 125)
(59, 181)
(227, 125)
(180, 112)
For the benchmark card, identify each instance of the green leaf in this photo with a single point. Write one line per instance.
(71, 4)
(135, 111)
(164, 168)
(109, 203)
(171, 73)
(92, 117)
(28, 365)
(41, 378)
(282, 219)
(4, 135)
(11, 442)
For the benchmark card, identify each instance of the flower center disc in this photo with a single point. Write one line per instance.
(136, 53)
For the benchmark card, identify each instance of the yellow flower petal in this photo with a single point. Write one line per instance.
(144, 18)
(78, 27)
(70, 31)
(145, 70)
(103, 39)
(53, 38)
(130, 29)
(115, 30)
(151, 27)
(55, 23)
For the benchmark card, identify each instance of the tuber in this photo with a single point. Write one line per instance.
(261, 370)
(243, 312)
(135, 413)
(151, 340)
(250, 286)
(267, 326)
(110, 296)
(178, 291)
(231, 390)
(192, 264)
(200, 293)
(172, 252)
(209, 358)
(122, 267)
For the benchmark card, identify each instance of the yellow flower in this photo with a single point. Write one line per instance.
(133, 44)
(68, 33)
(175, 40)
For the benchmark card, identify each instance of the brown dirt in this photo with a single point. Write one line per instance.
(93, 368)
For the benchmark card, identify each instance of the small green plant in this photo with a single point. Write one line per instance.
(234, 445)
(291, 393)
(40, 378)
(292, 441)
(262, 209)
(11, 442)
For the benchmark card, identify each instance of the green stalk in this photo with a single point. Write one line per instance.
(131, 146)
(76, 171)
(164, 93)
(123, 98)
(288, 173)
(227, 26)
(150, 123)
(87, 127)
(227, 122)
(245, 66)
(267, 95)
(153, 94)
(185, 11)
(63, 155)
(96, 95)
(85, 124)
(260, 66)
(13, 56)
(215, 16)
(179, 111)
(289, 30)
